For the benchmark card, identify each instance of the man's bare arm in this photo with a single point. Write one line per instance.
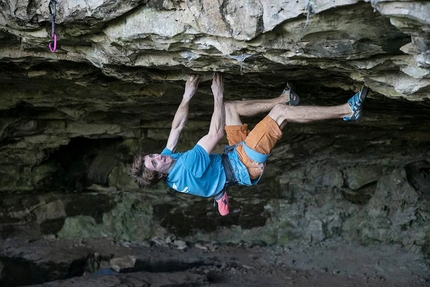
(216, 129)
(181, 115)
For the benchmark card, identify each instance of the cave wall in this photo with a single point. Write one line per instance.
(72, 120)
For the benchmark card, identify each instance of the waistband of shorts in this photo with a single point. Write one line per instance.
(228, 169)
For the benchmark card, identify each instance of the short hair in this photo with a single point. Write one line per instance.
(143, 176)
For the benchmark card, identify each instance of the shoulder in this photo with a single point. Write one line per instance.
(197, 151)
(195, 160)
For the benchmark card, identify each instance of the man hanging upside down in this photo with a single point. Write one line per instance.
(199, 172)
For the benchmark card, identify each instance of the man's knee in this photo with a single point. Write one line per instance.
(278, 113)
(278, 110)
(232, 117)
(229, 106)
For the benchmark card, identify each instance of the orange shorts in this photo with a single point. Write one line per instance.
(262, 139)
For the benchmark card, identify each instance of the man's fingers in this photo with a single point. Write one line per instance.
(193, 78)
(218, 77)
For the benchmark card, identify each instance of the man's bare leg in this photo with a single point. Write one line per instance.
(351, 110)
(235, 109)
(283, 114)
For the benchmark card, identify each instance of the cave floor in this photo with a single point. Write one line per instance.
(168, 262)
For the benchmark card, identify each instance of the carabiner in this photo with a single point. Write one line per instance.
(53, 11)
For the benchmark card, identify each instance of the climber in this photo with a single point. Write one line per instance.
(199, 172)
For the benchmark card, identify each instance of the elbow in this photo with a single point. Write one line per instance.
(217, 135)
(179, 127)
(220, 134)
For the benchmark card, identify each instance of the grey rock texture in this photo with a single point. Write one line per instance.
(71, 121)
(158, 262)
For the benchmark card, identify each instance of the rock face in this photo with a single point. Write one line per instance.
(72, 120)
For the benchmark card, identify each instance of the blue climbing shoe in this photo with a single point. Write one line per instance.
(356, 104)
(294, 98)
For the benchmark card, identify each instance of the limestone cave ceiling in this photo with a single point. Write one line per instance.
(120, 66)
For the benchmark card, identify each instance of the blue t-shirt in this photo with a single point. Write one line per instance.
(195, 172)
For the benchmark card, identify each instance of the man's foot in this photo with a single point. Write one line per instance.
(293, 98)
(222, 202)
(356, 104)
